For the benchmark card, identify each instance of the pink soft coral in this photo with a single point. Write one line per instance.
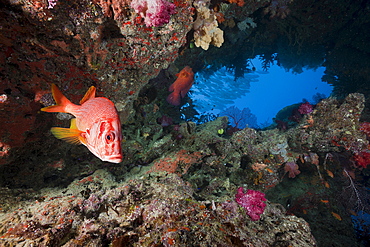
(252, 201)
(292, 168)
(155, 12)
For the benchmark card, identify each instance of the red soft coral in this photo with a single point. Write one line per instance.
(240, 3)
(155, 12)
(365, 127)
(362, 159)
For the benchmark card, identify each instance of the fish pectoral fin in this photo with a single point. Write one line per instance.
(88, 95)
(82, 135)
(72, 136)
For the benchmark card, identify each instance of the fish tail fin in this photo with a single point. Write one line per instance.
(174, 99)
(61, 101)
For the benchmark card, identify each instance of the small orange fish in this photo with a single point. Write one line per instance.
(352, 212)
(337, 216)
(331, 174)
(97, 125)
(181, 86)
(269, 170)
(326, 184)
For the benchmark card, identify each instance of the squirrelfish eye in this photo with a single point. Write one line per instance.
(110, 137)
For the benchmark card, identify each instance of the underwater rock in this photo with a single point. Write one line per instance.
(152, 210)
(187, 129)
(333, 126)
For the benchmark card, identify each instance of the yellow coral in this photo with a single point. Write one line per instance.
(205, 27)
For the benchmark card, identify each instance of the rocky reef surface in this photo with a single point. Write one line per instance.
(153, 210)
(186, 193)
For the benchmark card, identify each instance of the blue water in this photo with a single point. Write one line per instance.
(265, 93)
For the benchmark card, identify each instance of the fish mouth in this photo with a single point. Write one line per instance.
(114, 159)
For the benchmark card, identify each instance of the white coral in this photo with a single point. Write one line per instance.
(247, 23)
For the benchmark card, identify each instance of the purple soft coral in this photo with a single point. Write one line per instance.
(252, 201)
(165, 121)
(155, 12)
(305, 108)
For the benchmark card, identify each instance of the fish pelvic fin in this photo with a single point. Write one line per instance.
(88, 95)
(73, 124)
(69, 135)
(61, 101)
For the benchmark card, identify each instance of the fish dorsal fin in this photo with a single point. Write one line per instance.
(72, 136)
(172, 87)
(89, 95)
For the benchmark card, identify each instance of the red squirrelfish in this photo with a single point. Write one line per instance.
(97, 125)
(181, 86)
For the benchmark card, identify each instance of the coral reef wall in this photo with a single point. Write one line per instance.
(76, 44)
